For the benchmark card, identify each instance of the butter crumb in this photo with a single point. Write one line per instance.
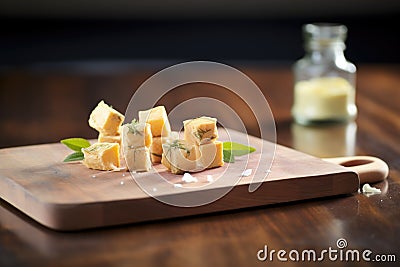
(367, 189)
(189, 178)
(247, 172)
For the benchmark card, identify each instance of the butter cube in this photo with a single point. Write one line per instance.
(210, 155)
(171, 137)
(158, 119)
(109, 138)
(179, 157)
(102, 156)
(200, 130)
(165, 162)
(156, 150)
(137, 159)
(136, 134)
(105, 119)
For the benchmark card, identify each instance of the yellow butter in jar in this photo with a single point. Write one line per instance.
(324, 99)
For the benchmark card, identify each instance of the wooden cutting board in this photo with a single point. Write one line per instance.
(68, 196)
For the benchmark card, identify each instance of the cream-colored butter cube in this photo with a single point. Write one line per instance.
(136, 134)
(158, 119)
(102, 156)
(200, 130)
(156, 149)
(210, 155)
(171, 137)
(105, 119)
(165, 162)
(137, 159)
(179, 157)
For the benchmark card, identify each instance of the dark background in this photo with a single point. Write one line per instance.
(53, 31)
(370, 39)
(58, 59)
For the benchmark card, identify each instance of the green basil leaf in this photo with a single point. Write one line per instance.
(74, 157)
(237, 149)
(76, 144)
(228, 157)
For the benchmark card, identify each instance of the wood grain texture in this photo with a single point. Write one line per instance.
(66, 196)
(222, 239)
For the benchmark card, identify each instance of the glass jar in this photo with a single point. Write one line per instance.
(324, 88)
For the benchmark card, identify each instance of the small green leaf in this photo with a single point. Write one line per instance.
(237, 149)
(74, 157)
(228, 157)
(76, 144)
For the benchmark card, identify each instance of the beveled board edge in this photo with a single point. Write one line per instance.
(72, 217)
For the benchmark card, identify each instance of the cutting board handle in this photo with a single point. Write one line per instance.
(369, 169)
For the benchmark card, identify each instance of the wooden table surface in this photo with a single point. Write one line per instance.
(61, 97)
